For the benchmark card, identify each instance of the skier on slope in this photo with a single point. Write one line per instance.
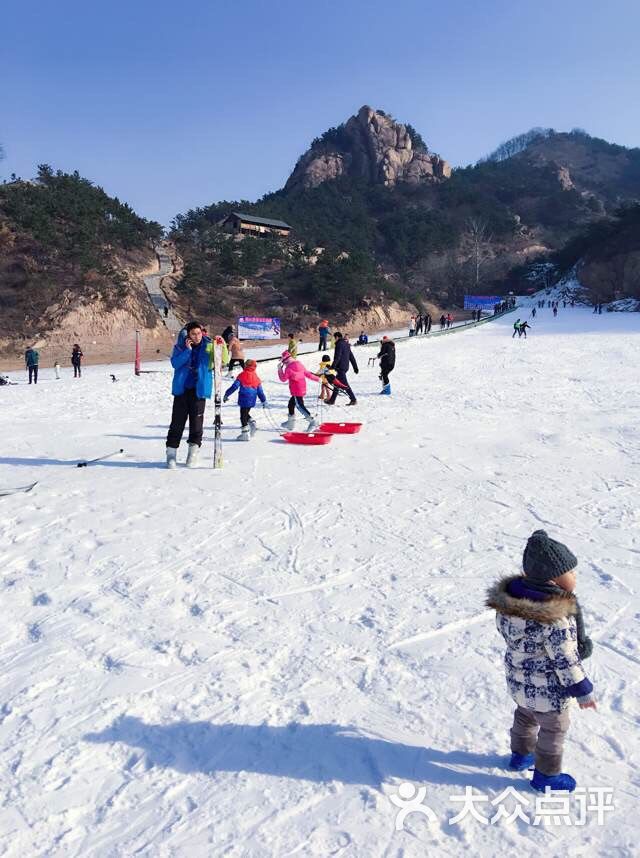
(516, 328)
(295, 373)
(250, 389)
(555, 312)
(523, 329)
(192, 384)
(541, 622)
(387, 357)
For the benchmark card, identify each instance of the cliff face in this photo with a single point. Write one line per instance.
(370, 146)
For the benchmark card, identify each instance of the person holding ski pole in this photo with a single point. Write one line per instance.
(387, 357)
(296, 374)
(250, 390)
(523, 329)
(192, 385)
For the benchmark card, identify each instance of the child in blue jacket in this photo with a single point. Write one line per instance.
(250, 389)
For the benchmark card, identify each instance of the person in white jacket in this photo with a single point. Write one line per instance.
(541, 622)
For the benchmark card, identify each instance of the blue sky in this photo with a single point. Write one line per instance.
(174, 105)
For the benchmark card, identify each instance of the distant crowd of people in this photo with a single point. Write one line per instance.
(420, 324)
(504, 306)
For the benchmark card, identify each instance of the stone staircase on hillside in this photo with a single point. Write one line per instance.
(158, 297)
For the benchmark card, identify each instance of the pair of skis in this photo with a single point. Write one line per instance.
(218, 346)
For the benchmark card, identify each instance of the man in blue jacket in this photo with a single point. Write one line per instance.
(32, 359)
(192, 385)
(342, 357)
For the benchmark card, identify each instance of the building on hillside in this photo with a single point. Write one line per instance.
(244, 224)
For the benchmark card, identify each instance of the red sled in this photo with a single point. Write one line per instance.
(309, 438)
(341, 428)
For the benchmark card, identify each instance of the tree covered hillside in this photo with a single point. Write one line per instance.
(60, 233)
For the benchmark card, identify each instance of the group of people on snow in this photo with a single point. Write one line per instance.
(503, 306)
(32, 363)
(192, 361)
(420, 324)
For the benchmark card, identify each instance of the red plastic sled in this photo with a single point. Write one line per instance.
(311, 438)
(341, 428)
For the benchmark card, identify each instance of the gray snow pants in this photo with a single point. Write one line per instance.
(541, 733)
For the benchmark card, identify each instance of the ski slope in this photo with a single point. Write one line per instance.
(250, 662)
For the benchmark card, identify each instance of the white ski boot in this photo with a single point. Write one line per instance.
(244, 434)
(289, 423)
(312, 425)
(253, 426)
(192, 456)
(171, 458)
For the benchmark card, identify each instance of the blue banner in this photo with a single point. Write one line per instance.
(258, 328)
(481, 302)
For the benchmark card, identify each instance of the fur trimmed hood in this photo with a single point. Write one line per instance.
(550, 610)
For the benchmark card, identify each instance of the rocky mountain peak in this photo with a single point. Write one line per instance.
(371, 145)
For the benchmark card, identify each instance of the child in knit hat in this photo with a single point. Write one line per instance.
(327, 375)
(541, 622)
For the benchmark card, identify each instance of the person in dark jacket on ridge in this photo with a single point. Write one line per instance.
(387, 357)
(192, 361)
(342, 357)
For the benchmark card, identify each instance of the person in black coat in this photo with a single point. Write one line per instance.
(227, 334)
(387, 357)
(342, 357)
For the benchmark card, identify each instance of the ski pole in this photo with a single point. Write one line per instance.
(84, 464)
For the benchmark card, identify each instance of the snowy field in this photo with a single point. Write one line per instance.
(250, 662)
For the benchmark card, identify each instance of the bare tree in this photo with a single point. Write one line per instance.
(477, 245)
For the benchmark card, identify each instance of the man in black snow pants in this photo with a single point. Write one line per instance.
(342, 357)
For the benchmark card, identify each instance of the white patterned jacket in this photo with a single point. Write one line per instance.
(542, 664)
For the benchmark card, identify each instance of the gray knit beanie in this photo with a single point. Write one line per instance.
(544, 558)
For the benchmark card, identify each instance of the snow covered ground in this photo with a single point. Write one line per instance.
(250, 662)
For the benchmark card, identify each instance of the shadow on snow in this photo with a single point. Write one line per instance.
(312, 752)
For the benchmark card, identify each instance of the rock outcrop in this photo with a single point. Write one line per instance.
(370, 146)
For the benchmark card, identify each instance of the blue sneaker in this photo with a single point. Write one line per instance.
(386, 390)
(563, 781)
(521, 762)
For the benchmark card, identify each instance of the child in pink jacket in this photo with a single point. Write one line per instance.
(296, 374)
